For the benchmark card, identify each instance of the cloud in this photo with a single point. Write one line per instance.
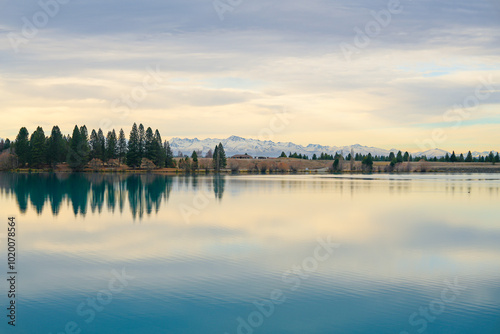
(263, 55)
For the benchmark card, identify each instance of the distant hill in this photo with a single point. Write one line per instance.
(254, 147)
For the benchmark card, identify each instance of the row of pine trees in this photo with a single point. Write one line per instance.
(80, 148)
(400, 157)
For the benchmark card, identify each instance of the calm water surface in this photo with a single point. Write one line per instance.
(254, 254)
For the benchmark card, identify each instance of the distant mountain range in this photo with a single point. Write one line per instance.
(237, 145)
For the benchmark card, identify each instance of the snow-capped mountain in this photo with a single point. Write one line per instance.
(475, 154)
(433, 153)
(254, 147)
(436, 152)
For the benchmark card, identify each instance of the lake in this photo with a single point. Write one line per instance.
(119, 253)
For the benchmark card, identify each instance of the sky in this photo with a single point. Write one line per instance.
(409, 74)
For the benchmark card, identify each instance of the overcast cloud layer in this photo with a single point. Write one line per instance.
(398, 87)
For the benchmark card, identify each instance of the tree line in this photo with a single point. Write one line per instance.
(399, 157)
(144, 148)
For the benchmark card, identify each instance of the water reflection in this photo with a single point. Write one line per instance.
(144, 193)
(400, 240)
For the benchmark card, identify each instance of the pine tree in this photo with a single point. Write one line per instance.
(85, 149)
(406, 156)
(461, 158)
(22, 147)
(94, 145)
(101, 145)
(399, 157)
(219, 159)
(194, 156)
(122, 145)
(55, 147)
(111, 145)
(215, 159)
(336, 165)
(37, 147)
(133, 154)
(453, 157)
(169, 156)
(76, 155)
(149, 151)
(283, 155)
(367, 162)
(160, 152)
(469, 157)
(7, 144)
(142, 142)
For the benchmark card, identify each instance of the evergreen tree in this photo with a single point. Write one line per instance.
(219, 159)
(142, 141)
(399, 157)
(111, 145)
(315, 157)
(160, 152)
(169, 156)
(101, 144)
(133, 154)
(461, 158)
(37, 147)
(149, 151)
(7, 144)
(469, 157)
(491, 157)
(406, 156)
(283, 155)
(85, 149)
(215, 159)
(336, 165)
(76, 155)
(122, 145)
(453, 157)
(94, 145)
(222, 156)
(367, 162)
(194, 156)
(22, 147)
(55, 147)
(447, 157)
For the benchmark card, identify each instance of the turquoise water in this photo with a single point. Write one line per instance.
(254, 254)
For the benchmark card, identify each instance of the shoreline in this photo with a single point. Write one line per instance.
(276, 166)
